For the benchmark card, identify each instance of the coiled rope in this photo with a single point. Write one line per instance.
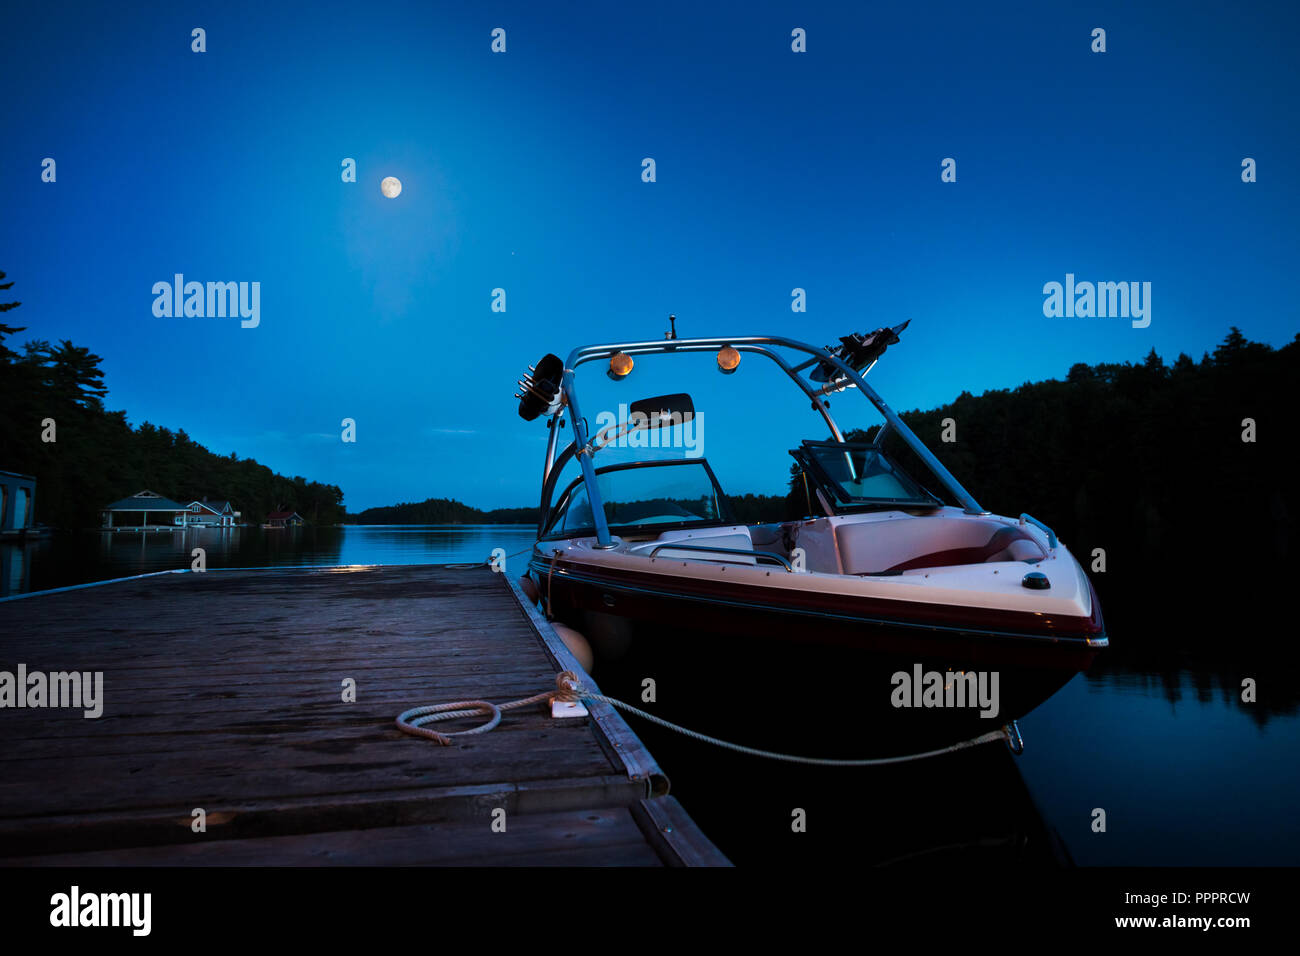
(412, 721)
(569, 688)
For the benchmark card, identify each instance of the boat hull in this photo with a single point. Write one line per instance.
(1012, 638)
(722, 655)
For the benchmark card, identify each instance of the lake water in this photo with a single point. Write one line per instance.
(1187, 773)
(1156, 734)
(75, 558)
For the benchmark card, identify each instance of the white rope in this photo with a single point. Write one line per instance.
(568, 687)
(456, 710)
(489, 562)
(993, 735)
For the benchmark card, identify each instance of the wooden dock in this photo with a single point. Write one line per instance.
(223, 691)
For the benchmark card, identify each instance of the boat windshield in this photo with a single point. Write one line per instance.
(678, 494)
(858, 473)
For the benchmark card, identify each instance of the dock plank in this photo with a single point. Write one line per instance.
(575, 837)
(222, 690)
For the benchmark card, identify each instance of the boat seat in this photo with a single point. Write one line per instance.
(905, 544)
(735, 538)
(1006, 544)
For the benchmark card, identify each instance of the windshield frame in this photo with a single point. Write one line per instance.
(766, 345)
(727, 515)
(846, 502)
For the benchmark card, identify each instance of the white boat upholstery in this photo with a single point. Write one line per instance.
(736, 537)
(817, 540)
(930, 541)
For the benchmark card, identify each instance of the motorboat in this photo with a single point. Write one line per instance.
(883, 575)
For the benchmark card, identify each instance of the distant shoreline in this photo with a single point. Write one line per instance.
(434, 524)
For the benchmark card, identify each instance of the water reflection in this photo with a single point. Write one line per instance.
(78, 558)
(968, 809)
(1183, 686)
(1187, 772)
(15, 567)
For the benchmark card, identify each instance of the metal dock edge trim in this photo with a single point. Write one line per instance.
(153, 574)
(91, 584)
(613, 732)
(674, 835)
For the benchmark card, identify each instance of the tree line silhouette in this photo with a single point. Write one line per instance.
(97, 457)
(442, 511)
(1146, 461)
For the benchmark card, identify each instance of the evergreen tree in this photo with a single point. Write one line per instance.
(99, 458)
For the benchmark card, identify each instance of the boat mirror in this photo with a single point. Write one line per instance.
(664, 411)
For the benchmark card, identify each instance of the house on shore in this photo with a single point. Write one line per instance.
(211, 514)
(283, 519)
(144, 511)
(17, 504)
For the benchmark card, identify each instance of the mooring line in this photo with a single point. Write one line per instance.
(555, 556)
(1003, 733)
(569, 688)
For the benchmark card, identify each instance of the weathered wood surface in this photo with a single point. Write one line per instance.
(594, 837)
(614, 731)
(223, 691)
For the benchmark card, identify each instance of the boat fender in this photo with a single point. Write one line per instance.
(577, 645)
(529, 587)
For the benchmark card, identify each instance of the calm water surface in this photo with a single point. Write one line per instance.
(1186, 772)
(75, 558)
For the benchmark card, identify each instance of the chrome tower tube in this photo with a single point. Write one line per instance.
(751, 343)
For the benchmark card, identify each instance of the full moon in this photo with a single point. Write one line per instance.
(391, 187)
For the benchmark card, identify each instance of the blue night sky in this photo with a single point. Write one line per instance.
(522, 170)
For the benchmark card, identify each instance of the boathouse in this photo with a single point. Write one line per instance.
(17, 503)
(144, 510)
(211, 514)
(283, 519)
